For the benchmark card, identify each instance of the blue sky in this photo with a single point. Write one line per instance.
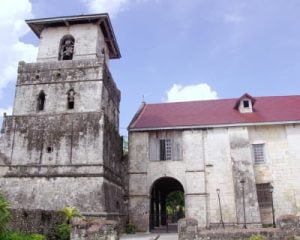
(174, 49)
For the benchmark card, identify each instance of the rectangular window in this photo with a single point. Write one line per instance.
(165, 149)
(246, 104)
(165, 145)
(259, 153)
(264, 195)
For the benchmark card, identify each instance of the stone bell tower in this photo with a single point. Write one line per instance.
(61, 145)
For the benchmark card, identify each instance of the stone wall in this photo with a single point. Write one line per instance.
(55, 193)
(36, 221)
(63, 139)
(62, 157)
(46, 222)
(73, 174)
(89, 78)
(288, 229)
(99, 229)
(281, 166)
(242, 169)
(89, 41)
(219, 158)
(219, 175)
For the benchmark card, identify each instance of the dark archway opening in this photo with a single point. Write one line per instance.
(166, 204)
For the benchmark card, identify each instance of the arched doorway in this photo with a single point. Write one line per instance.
(166, 204)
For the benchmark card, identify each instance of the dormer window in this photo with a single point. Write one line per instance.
(245, 104)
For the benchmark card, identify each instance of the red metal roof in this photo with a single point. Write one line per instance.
(216, 112)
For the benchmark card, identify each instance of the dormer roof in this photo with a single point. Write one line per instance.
(243, 97)
(103, 20)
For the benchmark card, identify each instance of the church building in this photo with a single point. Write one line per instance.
(232, 158)
(235, 161)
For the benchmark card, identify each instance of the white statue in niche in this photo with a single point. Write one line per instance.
(71, 99)
(66, 48)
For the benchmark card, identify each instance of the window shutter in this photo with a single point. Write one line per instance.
(153, 149)
(177, 151)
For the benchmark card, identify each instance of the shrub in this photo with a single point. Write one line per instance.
(63, 231)
(5, 214)
(21, 236)
(38, 237)
(130, 229)
(257, 237)
(69, 213)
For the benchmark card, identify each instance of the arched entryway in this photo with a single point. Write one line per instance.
(166, 204)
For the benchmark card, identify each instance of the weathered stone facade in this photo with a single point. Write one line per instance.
(216, 157)
(44, 222)
(59, 148)
(288, 229)
(94, 229)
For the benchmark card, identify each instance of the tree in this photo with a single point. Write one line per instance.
(125, 145)
(175, 204)
(5, 214)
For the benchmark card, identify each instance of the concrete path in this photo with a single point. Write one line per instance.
(150, 236)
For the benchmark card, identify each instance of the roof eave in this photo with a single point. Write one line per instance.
(213, 126)
(136, 115)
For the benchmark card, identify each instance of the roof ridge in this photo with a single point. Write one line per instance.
(217, 111)
(221, 99)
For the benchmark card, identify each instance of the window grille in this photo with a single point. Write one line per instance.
(165, 149)
(165, 146)
(258, 152)
(264, 195)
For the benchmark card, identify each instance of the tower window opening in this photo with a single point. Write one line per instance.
(49, 149)
(71, 99)
(66, 49)
(41, 101)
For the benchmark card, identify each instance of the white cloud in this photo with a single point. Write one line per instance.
(233, 18)
(5, 110)
(179, 93)
(12, 28)
(113, 7)
(8, 111)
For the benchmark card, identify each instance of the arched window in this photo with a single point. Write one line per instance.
(71, 99)
(41, 101)
(66, 48)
